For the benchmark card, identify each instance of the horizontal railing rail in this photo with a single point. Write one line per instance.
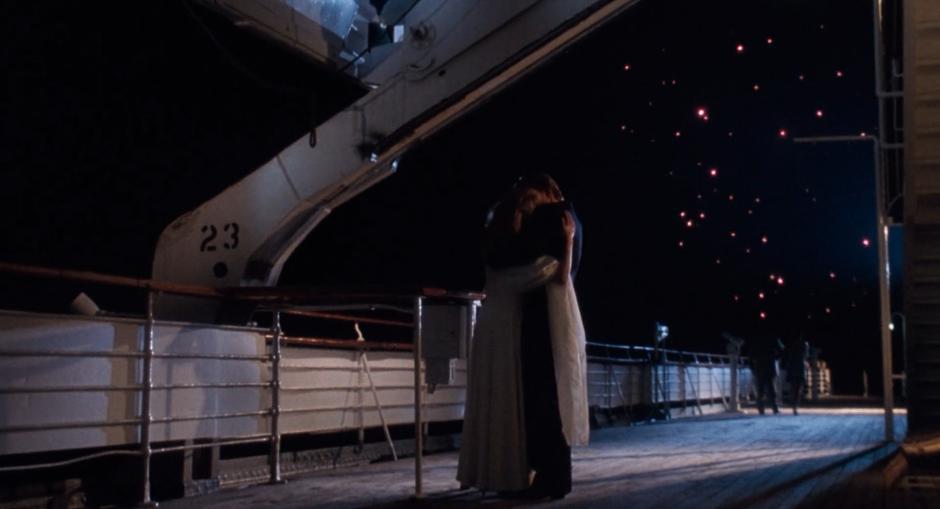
(648, 352)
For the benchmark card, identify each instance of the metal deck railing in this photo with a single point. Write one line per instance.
(265, 388)
(272, 341)
(626, 376)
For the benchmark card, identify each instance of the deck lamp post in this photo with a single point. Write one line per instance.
(659, 353)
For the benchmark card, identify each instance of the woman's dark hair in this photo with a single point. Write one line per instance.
(541, 182)
(504, 219)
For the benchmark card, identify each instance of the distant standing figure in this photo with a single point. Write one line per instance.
(795, 364)
(763, 353)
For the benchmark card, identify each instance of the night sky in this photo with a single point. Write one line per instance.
(118, 118)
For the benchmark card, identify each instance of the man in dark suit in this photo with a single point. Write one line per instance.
(544, 233)
(763, 352)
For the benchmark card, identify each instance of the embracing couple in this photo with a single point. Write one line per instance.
(527, 391)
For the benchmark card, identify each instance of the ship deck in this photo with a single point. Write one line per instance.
(729, 460)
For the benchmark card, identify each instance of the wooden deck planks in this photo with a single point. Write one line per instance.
(858, 449)
(829, 489)
(742, 461)
(801, 452)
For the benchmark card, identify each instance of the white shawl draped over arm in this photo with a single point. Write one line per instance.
(568, 351)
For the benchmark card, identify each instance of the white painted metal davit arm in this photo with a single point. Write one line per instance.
(455, 54)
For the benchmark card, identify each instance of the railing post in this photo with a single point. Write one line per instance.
(419, 428)
(145, 407)
(665, 384)
(654, 371)
(274, 461)
(735, 391)
(608, 389)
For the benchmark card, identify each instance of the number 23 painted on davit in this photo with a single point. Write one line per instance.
(231, 229)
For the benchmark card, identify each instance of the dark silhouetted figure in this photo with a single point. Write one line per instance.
(549, 454)
(763, 353)
(795, 363)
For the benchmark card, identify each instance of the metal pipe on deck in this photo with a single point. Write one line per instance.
(274, 461)
(70, 461)
(419, 428)
(146, 417)
(887, 366)
(223, 443)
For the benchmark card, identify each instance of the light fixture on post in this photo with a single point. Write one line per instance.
(659, 380)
